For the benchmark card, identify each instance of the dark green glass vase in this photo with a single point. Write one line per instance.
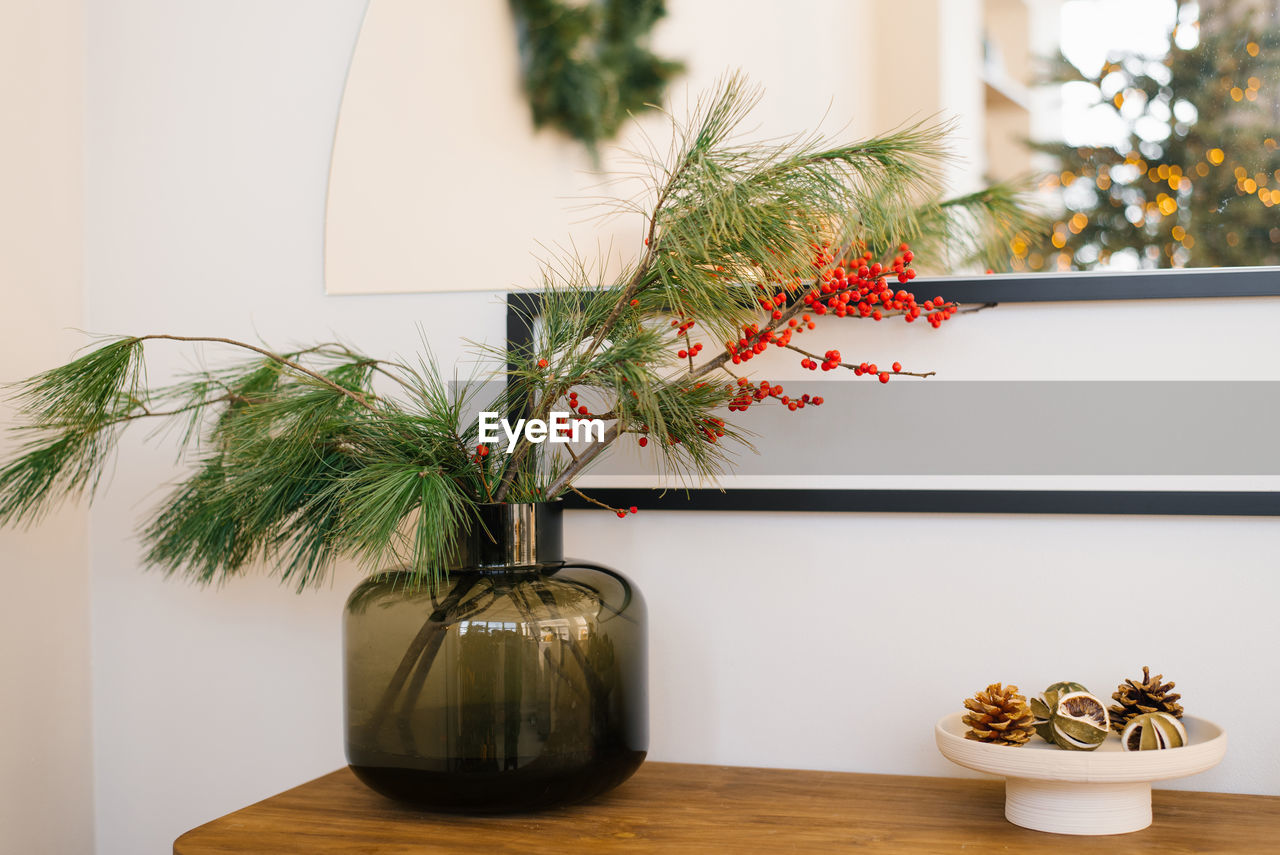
(521, 683)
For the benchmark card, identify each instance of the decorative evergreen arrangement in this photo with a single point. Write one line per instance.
(587, 66)
(303, 456)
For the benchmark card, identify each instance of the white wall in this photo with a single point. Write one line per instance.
(45, 757)
(413, 157)
(823, 641)
(208, 131)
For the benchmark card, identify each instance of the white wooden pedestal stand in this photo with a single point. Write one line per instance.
(1107, 791)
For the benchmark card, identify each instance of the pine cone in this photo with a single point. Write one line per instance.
(999, 715)
(1147, 695)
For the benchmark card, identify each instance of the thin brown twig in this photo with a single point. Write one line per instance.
(146, 413)
(552, 395)
(596, 502)
(580, 463)
(852, 366)
(274, 357)
(643, 269)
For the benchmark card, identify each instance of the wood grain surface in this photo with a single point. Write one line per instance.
(671, 807)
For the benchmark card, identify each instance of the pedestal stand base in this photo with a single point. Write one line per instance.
(1078, 808)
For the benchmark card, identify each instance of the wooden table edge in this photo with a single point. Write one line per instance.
(979, 783)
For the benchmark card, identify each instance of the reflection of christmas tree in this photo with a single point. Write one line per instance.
(1195, 181)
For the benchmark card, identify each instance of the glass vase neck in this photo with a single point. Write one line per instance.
(513, 535)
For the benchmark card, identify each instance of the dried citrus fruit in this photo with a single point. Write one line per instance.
(1153, 731)
(1080, 722)
(1042, 707)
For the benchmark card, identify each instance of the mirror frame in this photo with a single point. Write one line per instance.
(524, 307)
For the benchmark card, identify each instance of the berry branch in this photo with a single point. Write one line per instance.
(831, 361)
(845, 288)
(621, 512)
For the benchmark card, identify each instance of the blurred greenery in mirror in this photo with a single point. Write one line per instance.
(1166, 152)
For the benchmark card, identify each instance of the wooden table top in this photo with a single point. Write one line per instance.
(669, 807)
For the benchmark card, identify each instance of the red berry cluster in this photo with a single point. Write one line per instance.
(712, 430)
(749, 393)
(753, 342)
(860, 287)
(847, 288)
(830, 361)
(576, 406)
(691, 349)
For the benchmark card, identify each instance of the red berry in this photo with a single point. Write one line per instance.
(897, 366)
(542, 363)
(634, 509)
(644, 440)
(482, 450)
(884, 377)
(621, 514)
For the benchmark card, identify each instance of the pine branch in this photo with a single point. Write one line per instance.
(275, 357)
(724, 216)
(299, 460)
